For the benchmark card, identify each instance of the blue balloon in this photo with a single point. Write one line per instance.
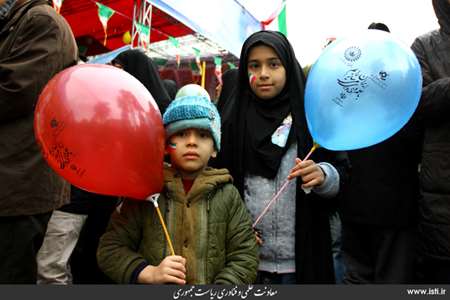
(361, 91)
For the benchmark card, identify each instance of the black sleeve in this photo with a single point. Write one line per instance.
(435, 100)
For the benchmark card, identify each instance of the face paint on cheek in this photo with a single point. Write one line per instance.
(171, 146)
(251, 78)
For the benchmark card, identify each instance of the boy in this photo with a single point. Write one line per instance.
(208, 223)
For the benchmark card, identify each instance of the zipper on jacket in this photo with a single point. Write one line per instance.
(208, 198)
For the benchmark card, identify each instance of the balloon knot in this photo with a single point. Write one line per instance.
(154, 199)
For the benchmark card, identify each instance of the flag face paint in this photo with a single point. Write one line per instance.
(172, 146)
(251, 78)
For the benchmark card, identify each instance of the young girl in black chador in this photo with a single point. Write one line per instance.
(264, 138)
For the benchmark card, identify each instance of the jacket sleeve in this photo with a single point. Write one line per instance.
(117, 254)
(37, 54)
(435, 100)
(241, 248)
(341, 163)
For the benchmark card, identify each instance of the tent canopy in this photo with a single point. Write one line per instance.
(224, 23)
(82, 16)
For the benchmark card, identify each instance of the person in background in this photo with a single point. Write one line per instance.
(142, 67)
(83, 262)
(335, 220)
(433, 51)
(171, 88)
(61, 237)
(206, 218)
(265, 136)
(379, 208)
(225, 91)
(35, 44)
(379, 26)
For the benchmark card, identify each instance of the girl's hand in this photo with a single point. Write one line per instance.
(258, 236)
(311, 174)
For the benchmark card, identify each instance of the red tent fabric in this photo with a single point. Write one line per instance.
(83, 18)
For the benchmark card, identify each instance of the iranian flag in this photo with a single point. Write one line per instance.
(277, 20)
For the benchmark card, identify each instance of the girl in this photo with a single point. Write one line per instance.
(264, 136)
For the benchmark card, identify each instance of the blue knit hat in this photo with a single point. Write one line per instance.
(193, 112)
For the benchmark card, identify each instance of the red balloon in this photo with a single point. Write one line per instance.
(100, 129)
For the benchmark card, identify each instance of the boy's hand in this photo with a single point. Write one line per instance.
(311, 174)
(171, 270)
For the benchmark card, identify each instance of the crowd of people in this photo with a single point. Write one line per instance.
(388, 204)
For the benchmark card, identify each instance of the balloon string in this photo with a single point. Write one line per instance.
(165, 231)
(280, 192)
(277, 195)
(314, 147)
(154, 199)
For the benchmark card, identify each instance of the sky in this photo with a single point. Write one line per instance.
(311, 22)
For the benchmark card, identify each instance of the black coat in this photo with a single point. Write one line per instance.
(383, 189)
(433, 52)
(35, 44)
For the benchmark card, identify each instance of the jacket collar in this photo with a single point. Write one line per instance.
(203, 185)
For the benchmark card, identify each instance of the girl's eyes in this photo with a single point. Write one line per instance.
(275, 64)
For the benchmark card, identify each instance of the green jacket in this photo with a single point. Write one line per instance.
(210, 227)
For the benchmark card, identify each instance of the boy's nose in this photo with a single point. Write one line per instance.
(191, 139)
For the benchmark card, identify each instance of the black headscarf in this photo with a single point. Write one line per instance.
(247, 131)
(442, 10)
(379, 26)
(143, 68)
(227, 94)
(171, 88)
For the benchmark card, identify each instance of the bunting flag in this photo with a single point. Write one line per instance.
(57, 5)
(144, 33)
(218, 69)
(104, 14)
(176, 43)
(231, 65)
(197, 59)
(194, 67)
(277, 20)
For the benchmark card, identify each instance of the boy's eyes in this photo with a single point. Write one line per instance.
(204, 134)
(200, 133)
